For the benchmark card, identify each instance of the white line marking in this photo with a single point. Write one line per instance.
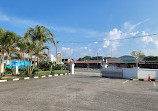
(61, 74)
(101, 79)
(154, 83)
(43, 76)
(49, 75)
(35, 77)
(55, 74)
(26, 78)
(125, 81)
(3, 80)
(16, 79)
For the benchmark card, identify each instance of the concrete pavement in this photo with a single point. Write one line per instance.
(84, 91)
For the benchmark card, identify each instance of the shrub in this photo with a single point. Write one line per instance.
(58, 67)
(35, 70)
(8, 70)
(21, 75)
(60, 71)
(45, 64)
(22, 69)
(41, 73)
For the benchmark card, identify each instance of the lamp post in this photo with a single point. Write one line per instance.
(137, 62)
(57, 50)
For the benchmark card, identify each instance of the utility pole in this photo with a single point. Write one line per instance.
(111, 50)
(57, 50)
(97, 58)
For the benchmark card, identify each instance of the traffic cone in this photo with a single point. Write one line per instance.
(149, 79)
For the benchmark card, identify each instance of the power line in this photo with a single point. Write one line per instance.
(109, 39)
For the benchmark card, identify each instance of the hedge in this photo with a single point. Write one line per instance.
(60, 71)
(41, 73)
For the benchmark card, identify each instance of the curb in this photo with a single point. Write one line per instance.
(143, 79)
(43, 76)
(35, 77)
(26, 78)
(3, 80)
(16, 79)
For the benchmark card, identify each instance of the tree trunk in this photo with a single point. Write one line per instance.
(6, 62)
(2, 63)
(37, 62)
(24, 59)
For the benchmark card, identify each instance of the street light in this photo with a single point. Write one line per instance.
(57, 50)
(137, 58)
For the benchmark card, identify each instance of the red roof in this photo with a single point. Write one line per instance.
(85, 62)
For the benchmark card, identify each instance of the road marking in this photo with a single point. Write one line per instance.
(49, 75)
(101, 79)
(26, 78)
(16, 79)
(3, 80)
(35, 77)
(154, 83)
(125, 81)
(43, 76)
(55, 74)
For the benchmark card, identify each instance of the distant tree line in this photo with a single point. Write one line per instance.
(141, 56)
(151, 58)
(85, 58)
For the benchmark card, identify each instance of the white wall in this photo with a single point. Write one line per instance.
(52, 58)
(144, 73)
(140, 73)
(129, 73)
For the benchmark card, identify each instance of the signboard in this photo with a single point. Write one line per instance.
(59, 58)
(122, 60)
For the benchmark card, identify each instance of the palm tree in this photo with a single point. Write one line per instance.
(23, 48)
(2, 45)
(35, 39)
(7, 44)
(11, 39)
(40, 33)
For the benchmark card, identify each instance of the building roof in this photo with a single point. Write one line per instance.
(88, 61)
(127, 56)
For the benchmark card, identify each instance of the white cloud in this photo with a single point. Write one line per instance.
(4, 17)
(131, 27)
(95, 42)
(113, 34)
(106, 43)
(134, 33)
(17, 21)
(67, 50)
(31, 23)
(83, 48)
(149, 39)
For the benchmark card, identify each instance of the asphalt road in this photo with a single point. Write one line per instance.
(84, 91)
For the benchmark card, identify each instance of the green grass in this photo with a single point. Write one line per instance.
(41, 73)
(60, 71)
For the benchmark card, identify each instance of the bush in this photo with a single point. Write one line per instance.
(9, 71)
(60, 71)
(45, 64)
(41, 73)
(58, 67)
(21, 75)
(22, 69)
(35, 70)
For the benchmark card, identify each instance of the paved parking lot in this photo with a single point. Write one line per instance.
(84, 91)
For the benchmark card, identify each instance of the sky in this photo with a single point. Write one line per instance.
(87, 20)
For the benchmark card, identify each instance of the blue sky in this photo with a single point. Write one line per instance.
(87, 20)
